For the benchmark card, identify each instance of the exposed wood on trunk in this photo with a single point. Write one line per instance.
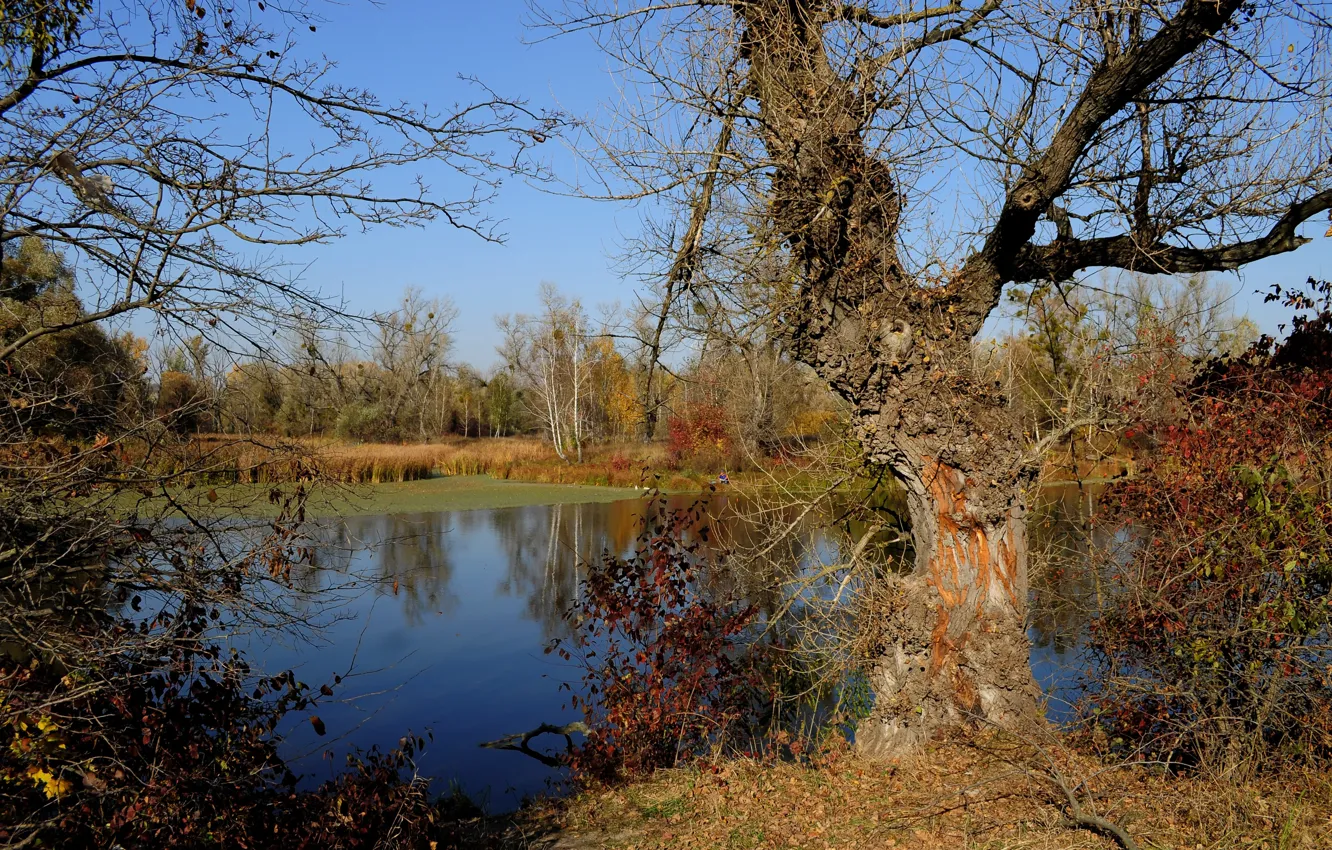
(898, 347)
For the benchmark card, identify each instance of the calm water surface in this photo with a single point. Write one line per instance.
(437, 623)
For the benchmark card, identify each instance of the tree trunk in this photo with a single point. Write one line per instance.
(896, 345)
(956, 650)
(685, 264)
(651, 400)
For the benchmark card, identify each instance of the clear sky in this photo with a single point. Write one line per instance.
(414, 50)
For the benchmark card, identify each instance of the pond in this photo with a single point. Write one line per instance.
(437, 622)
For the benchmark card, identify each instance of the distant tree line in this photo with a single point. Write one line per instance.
(1066, 357)
(561, 375)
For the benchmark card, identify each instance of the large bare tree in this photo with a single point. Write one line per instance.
(915, 160)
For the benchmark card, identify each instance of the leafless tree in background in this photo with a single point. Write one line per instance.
(915, 161)
(548, 352)
(412, 352)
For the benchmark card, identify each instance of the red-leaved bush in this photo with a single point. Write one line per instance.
(1215, 651)
(668, 675)
(619, 463)
(698, 435)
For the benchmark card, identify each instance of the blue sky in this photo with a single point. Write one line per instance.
(414, 50)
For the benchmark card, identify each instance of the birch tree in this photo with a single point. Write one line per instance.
(548, 351)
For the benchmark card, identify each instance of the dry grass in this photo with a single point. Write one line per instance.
(953, 796)
(505, 458)
(376, 463)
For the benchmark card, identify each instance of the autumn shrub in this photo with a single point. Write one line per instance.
(668, 672)
(1215, 651)
(123, 721)
(180, 401)
(359, 422)
(166, 756)
(182, 753)
(698, 436)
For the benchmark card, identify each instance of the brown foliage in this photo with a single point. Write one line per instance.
(668, 674)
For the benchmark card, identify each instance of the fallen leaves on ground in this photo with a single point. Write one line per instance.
(954, 796)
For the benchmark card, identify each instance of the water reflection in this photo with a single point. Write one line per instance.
(1065, 593)
(546, 548)
(438, 621)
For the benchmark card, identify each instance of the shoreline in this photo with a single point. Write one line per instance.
(426, 495)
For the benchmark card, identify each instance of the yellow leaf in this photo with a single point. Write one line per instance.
(53, 786)
(57, 788)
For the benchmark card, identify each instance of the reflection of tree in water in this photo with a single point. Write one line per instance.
(414, 562)
(332, 551)
(765, 547)
(410, 556)
(1065, 589)
(548, 549)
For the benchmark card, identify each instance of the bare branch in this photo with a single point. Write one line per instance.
(1063, 258)
(856, 13)
(1109, 89)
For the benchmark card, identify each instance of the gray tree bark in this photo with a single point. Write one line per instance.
(898, 347)
(896, 342)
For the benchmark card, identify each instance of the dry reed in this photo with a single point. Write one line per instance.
(238, 460)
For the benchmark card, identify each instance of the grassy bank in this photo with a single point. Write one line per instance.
(951, 797)
(231, 460)
(222, 476)
(454, 493)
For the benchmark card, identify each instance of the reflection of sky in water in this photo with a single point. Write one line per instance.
(1063, 591)
(1056, 669)
(441, 620)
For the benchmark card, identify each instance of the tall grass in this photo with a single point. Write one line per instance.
(379, 463)
(529, 459)
(221, 459)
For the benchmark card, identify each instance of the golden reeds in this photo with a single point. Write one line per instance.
(212, 459)
(509, 458)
